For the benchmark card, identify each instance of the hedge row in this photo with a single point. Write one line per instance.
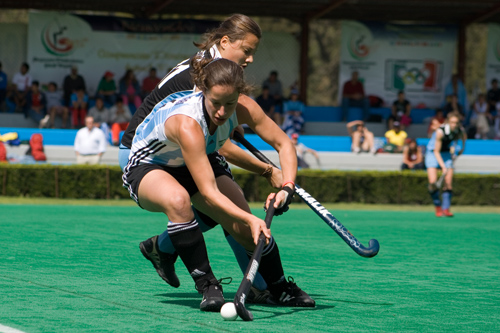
(394, 187)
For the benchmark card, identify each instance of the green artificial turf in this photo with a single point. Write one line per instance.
(79, 269)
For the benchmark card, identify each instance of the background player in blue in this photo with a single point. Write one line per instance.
(236, 39)
(439, 152)
(170, 166)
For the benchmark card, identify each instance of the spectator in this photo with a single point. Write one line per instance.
(275, 90)
(362, 138)
(72, 82)
(457, 88)
(130, 90)
(454, 106)
(36, 105)
(3, 89)
(120, 118)
(480, 116)
(55, 106)
(493, 97)
(22, 83)
(497, 122)
(90, 143)
(395, 139)
(79, 103)
(292, 110)
(302, 150)
(353, 94)
(107, 89)
(413, 158)
(436, 122)
(101, 115)
(400, 112)
(149, 82)
(266, 102)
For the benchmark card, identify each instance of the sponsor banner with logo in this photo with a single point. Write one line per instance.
(392, 57)
(96, 44)
(493, 54)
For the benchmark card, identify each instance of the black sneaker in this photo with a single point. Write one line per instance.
(287, 293)
(213, 299)
(256, 296)
(162, 262)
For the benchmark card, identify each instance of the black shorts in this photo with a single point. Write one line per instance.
(132, 178)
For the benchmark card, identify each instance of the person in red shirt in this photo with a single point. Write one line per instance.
(353, 94)
(149, 82)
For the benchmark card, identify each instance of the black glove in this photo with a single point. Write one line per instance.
(284, 208)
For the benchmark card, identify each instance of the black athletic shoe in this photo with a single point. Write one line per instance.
(287, 293)
(256, 296)
(213, 299)
(162, 262)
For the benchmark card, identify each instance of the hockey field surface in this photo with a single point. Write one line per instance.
(78, 268)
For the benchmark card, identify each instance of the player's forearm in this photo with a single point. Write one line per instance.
(240, 158)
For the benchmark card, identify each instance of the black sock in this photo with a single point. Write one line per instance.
(189, 243)
(270, 266)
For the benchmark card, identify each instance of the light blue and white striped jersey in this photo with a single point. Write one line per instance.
(151, 144)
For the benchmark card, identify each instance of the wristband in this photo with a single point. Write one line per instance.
(268, 172)
(288, 182)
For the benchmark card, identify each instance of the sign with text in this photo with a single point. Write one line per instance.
(417, 59)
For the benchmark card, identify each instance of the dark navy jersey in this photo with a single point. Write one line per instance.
(448, 137)
(178, 79)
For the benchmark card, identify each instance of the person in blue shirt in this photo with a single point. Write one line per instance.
(293, 121)
(3, 88)
(438, 154)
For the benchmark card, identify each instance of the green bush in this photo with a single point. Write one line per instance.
(392, 187)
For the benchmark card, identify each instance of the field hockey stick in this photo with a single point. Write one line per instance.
(253, 266)
(322, 212)
(439, 182)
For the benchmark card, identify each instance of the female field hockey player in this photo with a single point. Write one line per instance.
(171, 165)
(236, 39)
(439, 155)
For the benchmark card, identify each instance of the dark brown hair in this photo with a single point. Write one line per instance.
(235, 27)
(207, 73)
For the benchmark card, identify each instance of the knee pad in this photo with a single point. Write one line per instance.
(431, 187)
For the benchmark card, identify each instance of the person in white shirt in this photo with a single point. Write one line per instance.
(22, 82)
(90, 143)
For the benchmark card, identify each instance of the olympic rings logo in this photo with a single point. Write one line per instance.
(413, 75)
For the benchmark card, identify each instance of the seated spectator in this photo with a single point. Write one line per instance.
(120, 117)
(496, 122)
(413, 158)
(436, 122)
(362, 138)
(101, 115)
(454, 106)
(55, 106)
(130, 90)
(400, 112)
(480, 116)
(107, 89)
(3, 89)
(36, 105)
(90, 143)
(302, 150)
(292, 111)
(22, 84)
(79, 103)
(395, 139)
(275, 90)
(72, 82)
(149, 82)
(266, 102)
(456, 87)
(353, 95)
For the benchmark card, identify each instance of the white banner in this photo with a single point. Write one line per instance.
(493, 54)
(391, 57)
(57, 41)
